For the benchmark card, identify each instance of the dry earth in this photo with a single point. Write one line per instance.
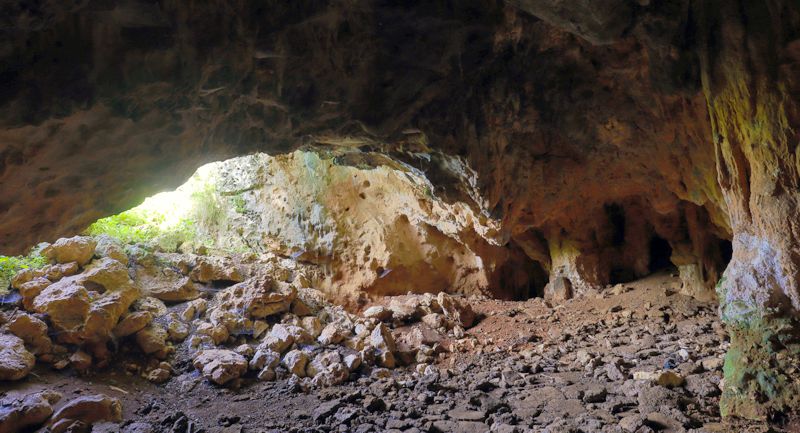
(592, 364)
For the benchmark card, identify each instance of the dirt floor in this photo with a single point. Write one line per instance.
(594, 364)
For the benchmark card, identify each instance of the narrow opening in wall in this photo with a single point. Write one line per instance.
(616, 217)
(660, 253)
(520, 278)
(726, 254)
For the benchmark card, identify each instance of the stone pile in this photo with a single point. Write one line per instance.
(233, 319)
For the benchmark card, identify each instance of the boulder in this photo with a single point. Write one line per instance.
(110, 247)
(166, 283)
(30, 289)
(86, 410)
(25, 276)
(456, 310)
(32, 331)
(257, 298)
(382, 338)
(15, 360)
(279, 339)
(378, 312)
(79, 249)
(28, 412)
(295, 361)
(265, 359)
(132, 323)
(220, 366)
(332, 334)
(59, 271)
(86, 307)
(153, 340)
(211, 268)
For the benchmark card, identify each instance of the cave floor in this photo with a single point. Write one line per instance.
(589, 365)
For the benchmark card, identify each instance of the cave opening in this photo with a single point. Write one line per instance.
(660, 253)
(521, 279)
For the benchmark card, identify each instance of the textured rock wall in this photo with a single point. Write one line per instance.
(583, 120)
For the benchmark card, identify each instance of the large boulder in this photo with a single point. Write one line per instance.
(28, 412)
(86, 411)
(166, 284)
(257, 298)
(15, 360)
(79, 249)
(86, 307)
(31, 330)
(220, 366)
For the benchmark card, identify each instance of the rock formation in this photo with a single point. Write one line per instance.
(607, 138)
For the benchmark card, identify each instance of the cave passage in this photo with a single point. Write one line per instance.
(660, 254)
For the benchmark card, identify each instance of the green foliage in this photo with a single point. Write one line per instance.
(129, 227)
(239, 204)
(10, 265)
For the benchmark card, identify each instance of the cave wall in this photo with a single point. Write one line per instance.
(682, 113)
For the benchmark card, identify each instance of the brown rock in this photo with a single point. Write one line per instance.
(209, 269)
(59, 271)
(31, 330)
(29, 412)
(132, 323)
(78, 249)
(15, 361)
(220, 366)
(87, 410)
(80, 360)
(31, 289)
(457, 310)
(152, 339)
(87, 306)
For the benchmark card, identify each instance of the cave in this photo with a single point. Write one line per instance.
(471, 216)
(660, 253)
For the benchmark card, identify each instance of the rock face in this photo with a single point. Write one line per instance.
(607, 137)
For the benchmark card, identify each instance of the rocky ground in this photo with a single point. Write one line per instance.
(266, 355)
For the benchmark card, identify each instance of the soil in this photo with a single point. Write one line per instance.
(525, 367)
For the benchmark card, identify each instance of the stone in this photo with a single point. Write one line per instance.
(32, 331)
(132, 323)
(177, 330)
(322, 362)
(295, 361)
(220, 366)
(265, 359)
(110, 247)
(209, 269)
(456, 310)
(15, 360)
(180, 290)
(152, 339)
(26, 275)
(86, 307)
(31, 289)
(312, 325)
(279, 339)
(382, 338)
(80, 360)
(59, 271)
(558, 290)
(79, 249)
(28, 412)
(378, 312)
(87, 410)
(257, 298)
(331, 334)
(352, 361)
(669, 379)
(194, 309)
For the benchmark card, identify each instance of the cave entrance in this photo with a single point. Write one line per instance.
(660, 253)
(520, 279)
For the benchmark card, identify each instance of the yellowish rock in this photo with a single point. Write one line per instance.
(78, 249)
(132, 323)
(15, 360)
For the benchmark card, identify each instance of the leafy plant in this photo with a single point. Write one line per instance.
(10, 265)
